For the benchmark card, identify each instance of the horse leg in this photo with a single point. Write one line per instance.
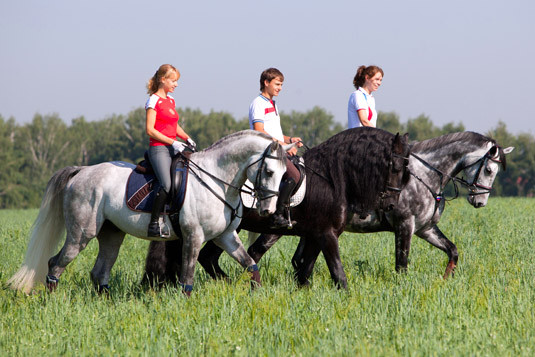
(232, 244)
(109, 239)
(191, 246)
(331, 252)
(162, 264)
(403, 235)
(209, 260)
(309, 254)
(82, 223)
(75, 242)
(261, 245)
(297, 258)
(437, 239)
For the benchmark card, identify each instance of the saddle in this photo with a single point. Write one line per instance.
(298, 194)
(140, 184)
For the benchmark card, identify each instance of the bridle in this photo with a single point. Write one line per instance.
(259, 192)
(472, 187)
(389, 186)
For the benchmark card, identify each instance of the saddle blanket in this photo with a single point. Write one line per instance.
(140, 193)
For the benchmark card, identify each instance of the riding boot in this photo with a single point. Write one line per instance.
(278, 219)
(154, 226)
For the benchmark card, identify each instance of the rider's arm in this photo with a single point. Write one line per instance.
(363, 117)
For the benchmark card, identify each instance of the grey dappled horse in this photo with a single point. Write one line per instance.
(90, 202)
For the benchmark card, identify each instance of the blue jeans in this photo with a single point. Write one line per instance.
(160, 158)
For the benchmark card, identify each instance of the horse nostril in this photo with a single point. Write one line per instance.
(390, 207)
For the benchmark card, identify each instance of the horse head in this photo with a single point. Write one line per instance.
(481, 174)
(398, 172)
(266, 174)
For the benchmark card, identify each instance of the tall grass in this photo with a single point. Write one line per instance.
(486, 309)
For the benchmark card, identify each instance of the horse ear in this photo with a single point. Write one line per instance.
(508, 150)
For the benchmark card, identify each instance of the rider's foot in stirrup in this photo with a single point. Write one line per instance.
(155, 230)
(279, 221)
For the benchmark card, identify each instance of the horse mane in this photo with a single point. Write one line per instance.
(243, 133)
(468, 137)
(356, 162)
(234, 136)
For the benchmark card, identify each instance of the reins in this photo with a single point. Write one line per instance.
(253, 191)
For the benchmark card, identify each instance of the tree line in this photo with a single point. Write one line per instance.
(32, 152)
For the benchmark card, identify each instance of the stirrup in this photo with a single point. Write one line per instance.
(279, 221)
(158, 230)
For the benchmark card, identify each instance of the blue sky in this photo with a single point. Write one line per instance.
(467, 61)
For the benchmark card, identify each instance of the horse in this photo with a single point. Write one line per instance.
(89, 201)
(432, 164)
(353, 172)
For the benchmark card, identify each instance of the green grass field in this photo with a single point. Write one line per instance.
(486, 309)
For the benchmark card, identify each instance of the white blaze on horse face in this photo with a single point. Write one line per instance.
(267, 182)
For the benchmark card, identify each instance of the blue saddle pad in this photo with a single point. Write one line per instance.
(140, 193)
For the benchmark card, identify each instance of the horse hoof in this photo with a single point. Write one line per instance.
(450, 270)
(255, 276)
(186, 289)
(103, 289)
(51, 283)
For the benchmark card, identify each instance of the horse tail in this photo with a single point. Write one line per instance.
(47, 231)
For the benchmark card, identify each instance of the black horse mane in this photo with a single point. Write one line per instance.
(352, 167)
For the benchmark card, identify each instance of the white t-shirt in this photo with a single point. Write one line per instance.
(360, 100)
(263, 110)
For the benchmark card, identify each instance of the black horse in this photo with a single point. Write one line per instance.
(352, 173)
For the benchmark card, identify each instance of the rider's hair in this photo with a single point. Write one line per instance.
(165, 71)
(269, 75)
(362, 72)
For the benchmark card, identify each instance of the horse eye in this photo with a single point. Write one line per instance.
(269, 173)
(488, 170)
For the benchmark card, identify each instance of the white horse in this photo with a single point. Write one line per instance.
(90, 202)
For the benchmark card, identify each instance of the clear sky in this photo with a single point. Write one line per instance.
(469, 61)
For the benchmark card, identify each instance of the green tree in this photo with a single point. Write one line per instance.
(11, 177)
(206, 129)
(314, 126)
(421, 128)
(389, 121)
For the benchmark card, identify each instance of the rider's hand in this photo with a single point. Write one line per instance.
(178, 146)
(292, 151)
(192, 143)
(296, 139)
